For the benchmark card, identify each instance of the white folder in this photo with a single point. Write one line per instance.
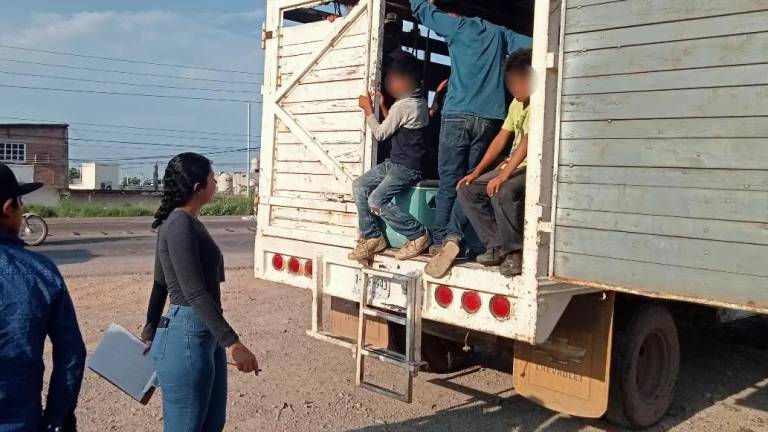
(119, 358)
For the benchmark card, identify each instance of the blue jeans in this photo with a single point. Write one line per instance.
(374, 194)
(192, 372)
(463, 142)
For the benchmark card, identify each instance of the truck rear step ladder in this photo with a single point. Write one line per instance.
(410, 362)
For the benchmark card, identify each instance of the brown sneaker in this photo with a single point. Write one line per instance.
(366, 248)
(439, 264)
(414, 248)
(434, 250)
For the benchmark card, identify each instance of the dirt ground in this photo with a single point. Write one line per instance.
(307, 385)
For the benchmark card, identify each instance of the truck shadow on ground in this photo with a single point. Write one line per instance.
(723, 365)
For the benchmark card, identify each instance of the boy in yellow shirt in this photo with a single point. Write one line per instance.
(493, 200)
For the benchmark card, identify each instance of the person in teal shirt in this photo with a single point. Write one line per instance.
(474, 108)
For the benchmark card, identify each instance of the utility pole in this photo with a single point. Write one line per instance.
(248, 154)
(155, 177)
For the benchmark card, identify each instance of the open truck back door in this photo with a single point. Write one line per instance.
(314, 139)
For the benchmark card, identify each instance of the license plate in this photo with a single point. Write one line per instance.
(378, 288)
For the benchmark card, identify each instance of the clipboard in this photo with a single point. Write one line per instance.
(119, 358)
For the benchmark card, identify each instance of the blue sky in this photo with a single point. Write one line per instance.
(213, 34)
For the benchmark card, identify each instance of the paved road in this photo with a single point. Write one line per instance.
(110, 246)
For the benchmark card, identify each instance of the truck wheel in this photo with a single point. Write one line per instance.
(646, 359)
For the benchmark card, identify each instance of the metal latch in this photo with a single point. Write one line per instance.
(265, 35)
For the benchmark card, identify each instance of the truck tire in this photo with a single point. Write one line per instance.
(646, 359)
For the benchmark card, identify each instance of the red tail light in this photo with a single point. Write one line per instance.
(471, 301)
(278, 262)
(294, 265)
(443, 296)
(500, 307)
(308, 269)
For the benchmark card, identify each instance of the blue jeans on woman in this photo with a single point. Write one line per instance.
(375, 193)
(192, 372)
(463, 142)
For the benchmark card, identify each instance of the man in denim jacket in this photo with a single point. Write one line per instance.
(34, 303)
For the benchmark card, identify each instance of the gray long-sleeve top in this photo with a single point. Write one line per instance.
(406, 125)
(189, 268)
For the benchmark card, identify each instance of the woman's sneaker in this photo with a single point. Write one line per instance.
(414, 248)
(366, 248)
(438, 265)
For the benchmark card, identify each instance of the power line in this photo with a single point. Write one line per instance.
(127, 94)
(110, 141)
(129, 60)
(163, 136)
(124, 83)
(133, 127)
(128, 72)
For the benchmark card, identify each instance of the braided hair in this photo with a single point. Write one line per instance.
(183, 171)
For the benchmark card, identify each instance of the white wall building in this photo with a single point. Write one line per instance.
(98, 176)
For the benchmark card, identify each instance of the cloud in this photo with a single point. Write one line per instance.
(216, 40)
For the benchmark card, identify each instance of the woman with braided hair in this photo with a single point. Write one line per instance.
(188, 344)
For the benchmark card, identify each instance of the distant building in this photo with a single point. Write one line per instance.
(98, 176)
(40, 153)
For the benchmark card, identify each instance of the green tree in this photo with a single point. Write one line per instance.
(74, 173)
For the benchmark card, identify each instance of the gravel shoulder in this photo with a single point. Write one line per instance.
(308, 385)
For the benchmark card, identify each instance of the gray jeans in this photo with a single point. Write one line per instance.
(498, 220)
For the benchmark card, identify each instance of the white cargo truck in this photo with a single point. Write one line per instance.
(647, 193)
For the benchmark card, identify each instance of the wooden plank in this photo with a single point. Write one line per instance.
(328, 75)
(309, 183)
(328, 122)
(333, 60)
(350, 233)
(315, 32)
(669, 31)
(581, 3)
(732, 179)
(683, 252)
(326, 91)
(665, 281)
(332, 138)
(320, 107)
(321, 198)
(667, 80)
(310, 200)
(310, 167)
(733, 153)
(694, 203)
(359, 40)
(708, 102)
(737, 232)
(641, 12)
(732, 127)
(719, 51)
(299, 153)
(315, 216)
